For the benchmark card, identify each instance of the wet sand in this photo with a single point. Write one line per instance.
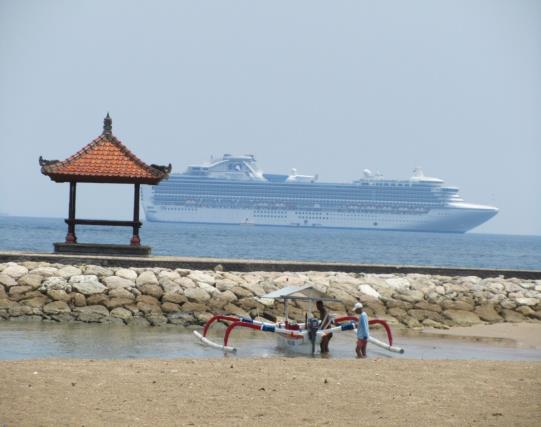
(525, 335)
(269, 392)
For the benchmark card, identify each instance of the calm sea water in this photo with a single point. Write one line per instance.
(254, 242)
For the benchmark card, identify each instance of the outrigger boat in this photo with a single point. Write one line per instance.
(298, 337)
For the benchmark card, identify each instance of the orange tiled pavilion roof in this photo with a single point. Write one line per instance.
(105, 159)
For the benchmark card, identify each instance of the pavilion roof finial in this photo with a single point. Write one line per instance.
(107, 125)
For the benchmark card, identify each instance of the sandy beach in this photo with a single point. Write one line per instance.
(277, 391)
(269, 392)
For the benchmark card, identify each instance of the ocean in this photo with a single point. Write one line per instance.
(290, 243)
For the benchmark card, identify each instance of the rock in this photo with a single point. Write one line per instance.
(526, 311)
(156, 319)
(79, 300)
(117, 282)
(55, 283)
(96, 270)
(457, 305)
(391, 303)
(508, 304)
(147, 299)
(59, 295)
(461, 317)
(397, 283)
(176, 297)
(169, 285)
(225, 284)
(369, 291)
(527, 301)
(117, 302)
(186, 283)
(146, 278)
(168, 275)
(15, 271)
(15, 292)
(96, 299)
(126, 273)
(3, 294)
(121, 313)
(512, 316)
(424, 305)
(152, 290)
(250, 303)
(68, 271)
(138, 321)
(44, 271)
(36, 302)
(17, 310)
(149, 308)
(421, 315)
(32, 280)
(192, 307)
(342, 296)
(199, 276)
(197, 295)
(219, 267)
(169, 307)
(180, 318)
(56, 307)
(411, 296)
(121, 293)
(87, 284)
(232, 309)
(7, 281)
(433, 324)
(92, 313)
(488, 313)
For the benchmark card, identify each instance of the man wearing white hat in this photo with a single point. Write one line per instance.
(362, 330)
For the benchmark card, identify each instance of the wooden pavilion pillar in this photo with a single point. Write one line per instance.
(71, 237)
(135, 240)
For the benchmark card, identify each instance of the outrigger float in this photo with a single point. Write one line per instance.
(297, 337)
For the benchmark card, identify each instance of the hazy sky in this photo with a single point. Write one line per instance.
(326, 87)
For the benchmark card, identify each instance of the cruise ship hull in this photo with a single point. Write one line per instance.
(453, 219)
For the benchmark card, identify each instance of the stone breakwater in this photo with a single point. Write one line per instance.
(157, 296)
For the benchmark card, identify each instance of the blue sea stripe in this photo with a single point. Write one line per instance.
(246, 319)
(268, 328)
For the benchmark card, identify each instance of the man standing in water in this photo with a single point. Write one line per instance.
(362, 331)
(325, 323)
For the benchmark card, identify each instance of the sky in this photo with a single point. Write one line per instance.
(331, 88)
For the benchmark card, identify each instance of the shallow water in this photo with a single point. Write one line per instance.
(33, 340)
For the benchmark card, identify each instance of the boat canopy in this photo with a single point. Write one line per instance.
(306, 292)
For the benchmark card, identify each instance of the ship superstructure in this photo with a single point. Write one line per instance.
(233, 190)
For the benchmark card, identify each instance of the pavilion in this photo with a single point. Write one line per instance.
(104, 160)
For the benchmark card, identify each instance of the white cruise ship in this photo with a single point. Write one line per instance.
(233, 190)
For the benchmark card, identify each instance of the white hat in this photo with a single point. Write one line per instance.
(357, 306)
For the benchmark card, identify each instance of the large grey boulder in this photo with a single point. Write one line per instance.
(488, 313)
(121, 313)
(44, 271)
(69, 271)
(461, 317)
(87, 284)
(92, 313)
(33, 280)
(116, 282)
(55, 283)
(126, 273)
(197, 295)
(199, 276)
(14, 270)
(7, 281)
(146, 278)
(56, 307)
(96, 270)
